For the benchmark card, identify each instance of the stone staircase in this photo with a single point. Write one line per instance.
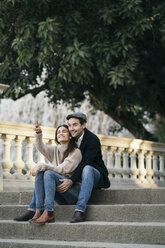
(126, 218)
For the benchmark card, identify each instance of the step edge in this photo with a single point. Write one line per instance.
(82, 243)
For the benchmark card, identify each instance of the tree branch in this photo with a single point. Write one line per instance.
(125, 119)
(33, 92)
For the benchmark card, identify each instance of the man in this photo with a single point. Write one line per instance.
(91, 172)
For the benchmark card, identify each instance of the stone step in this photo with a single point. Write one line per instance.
(111, 196)
(26, 243)
(114, 213)
(113, 232)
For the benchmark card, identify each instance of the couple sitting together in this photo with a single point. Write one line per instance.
(76, 168)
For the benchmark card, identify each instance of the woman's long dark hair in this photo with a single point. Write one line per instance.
(72, 144)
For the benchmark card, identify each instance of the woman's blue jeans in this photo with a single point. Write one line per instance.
(45, 190)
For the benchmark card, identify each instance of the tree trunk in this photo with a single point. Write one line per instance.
(132, 124)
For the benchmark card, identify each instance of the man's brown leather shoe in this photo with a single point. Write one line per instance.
(38, 213)
(78, 217)
(44, 218)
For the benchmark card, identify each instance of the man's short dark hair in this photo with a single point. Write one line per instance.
(82, 121)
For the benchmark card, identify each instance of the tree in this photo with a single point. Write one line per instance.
(111, 51)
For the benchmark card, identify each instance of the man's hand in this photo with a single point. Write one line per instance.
(33, 171)
(64, 186)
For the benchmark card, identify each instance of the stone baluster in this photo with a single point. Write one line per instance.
(29, 163)
(126, 169)
(110, 161)
(108, 164)
(162, 167)
(142, 170)
(118, 168)
(18, 163)
(149, 170)
(42, 159)
(6, 161)
(134, 170)
(155, 167)
(103, 150)
(1, 171)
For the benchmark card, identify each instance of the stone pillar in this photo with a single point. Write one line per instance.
(118, 168)
(41, 158)
(29, 163)
(162, 167)
(149, 170)
(6, 162)
(103, 150)
(155, 167)
(126, 168)
(134, 170)
(18, 163)
(110, 162)
(1, 174)
(142, 170)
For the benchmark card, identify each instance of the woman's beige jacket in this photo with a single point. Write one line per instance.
(54, 154)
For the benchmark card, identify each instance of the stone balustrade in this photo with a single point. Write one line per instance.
(134, 161)
(18, 154)
(130, 162)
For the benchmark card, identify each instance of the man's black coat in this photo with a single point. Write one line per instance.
(91, 155)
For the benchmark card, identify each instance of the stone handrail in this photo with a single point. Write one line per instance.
(134, 161)
(130, 162)
(18, 154)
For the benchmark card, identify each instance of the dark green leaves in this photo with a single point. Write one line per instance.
(111, 51)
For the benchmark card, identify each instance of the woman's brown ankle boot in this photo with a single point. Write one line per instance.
(45, 218)
(38, 213)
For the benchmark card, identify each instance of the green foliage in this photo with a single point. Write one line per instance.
(112, 51)
(160, 130)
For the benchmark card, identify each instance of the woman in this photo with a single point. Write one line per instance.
(63, 158)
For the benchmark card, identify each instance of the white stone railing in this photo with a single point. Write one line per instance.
(18, 154)
(134, 161)
(130, 162)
